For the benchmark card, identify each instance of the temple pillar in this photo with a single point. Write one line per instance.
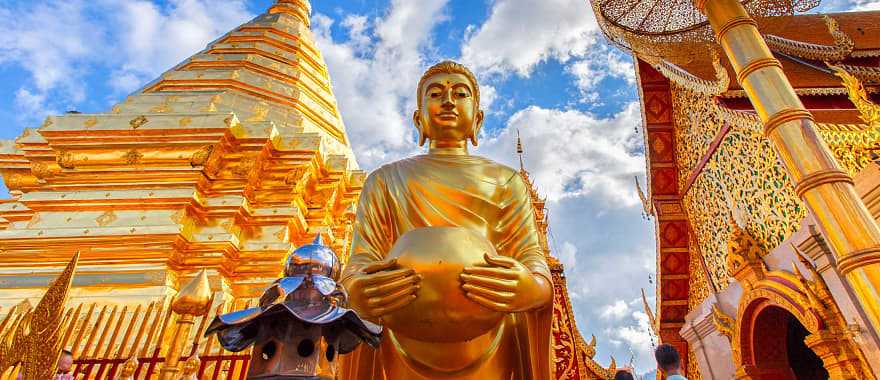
(815, 248)
(825, 188)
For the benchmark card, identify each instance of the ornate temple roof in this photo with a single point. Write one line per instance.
(574, 357)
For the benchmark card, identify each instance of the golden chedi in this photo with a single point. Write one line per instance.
(408, 254)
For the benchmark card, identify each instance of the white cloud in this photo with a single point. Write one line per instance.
(375, 77)
(866, 5)
(574, 153)
(599, 64)
(615, 311)
(51, 41)
(519, 34)
(636, 338)
(154, 39)
(59, 43)
(567, 255)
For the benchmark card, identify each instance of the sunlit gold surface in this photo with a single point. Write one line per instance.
(442, 312)
(840, 213)
(449, 188)
(223, 163)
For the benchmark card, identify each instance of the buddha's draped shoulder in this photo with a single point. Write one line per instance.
(460, 191)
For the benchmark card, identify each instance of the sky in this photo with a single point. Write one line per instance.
(544, 70)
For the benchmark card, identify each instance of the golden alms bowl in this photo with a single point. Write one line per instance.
(441, 312)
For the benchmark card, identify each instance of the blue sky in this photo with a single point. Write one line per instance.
(544, 70)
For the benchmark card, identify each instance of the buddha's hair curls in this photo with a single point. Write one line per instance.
(448, 67)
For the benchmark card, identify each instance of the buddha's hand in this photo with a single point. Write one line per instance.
(505, 285)
(382, 287)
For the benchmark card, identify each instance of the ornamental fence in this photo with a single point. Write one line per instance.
(103, 337)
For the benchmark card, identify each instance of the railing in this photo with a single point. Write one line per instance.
(228, 367)
(102, 337)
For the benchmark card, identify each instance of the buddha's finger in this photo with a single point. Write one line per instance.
(487, 303)
(500, 261)
(379, 266)
(389, 287)
(490, 294)
(381, 277)
(489, 282)
(382, 301)
(397, 304)
(501, 273)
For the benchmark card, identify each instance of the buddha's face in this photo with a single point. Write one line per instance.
(449, 111)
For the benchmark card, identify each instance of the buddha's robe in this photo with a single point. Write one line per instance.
(456, 191)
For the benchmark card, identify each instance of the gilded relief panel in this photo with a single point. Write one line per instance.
(696, 126)
(699, 287)
(742, 180)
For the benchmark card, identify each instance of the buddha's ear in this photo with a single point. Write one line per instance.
(478, 124)
(417, 122)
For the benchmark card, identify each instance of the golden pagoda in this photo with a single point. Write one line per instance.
(183, 201)
(223, 163)
(761, 147)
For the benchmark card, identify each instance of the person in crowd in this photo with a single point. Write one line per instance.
(624, 374)
(669, 361)
(65, 365)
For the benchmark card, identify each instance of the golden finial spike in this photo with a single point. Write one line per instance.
(195, 297)
(651, 318)
(519, 151)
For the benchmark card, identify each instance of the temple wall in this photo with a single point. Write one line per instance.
(714, 351)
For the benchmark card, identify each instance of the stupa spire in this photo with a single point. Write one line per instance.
(298, 8)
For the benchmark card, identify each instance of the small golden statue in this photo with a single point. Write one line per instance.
(445, 254)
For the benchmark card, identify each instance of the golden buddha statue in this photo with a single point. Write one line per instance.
(445, 254)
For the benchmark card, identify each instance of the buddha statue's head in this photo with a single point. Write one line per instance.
(449, 106)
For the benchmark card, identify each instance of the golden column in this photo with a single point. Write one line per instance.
(825, 188)
(192, 301)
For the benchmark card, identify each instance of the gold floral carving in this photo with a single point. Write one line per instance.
(245, 166)
(65, 159)
(743, 252)
(138, 122)
(260, 111)
(106, 218)
(41, 169)
(201, 156)
(724, 323)
(697, 124)
(842, 48)
(699, 287)
(90, 122)
(298, 178)
(36, 342)
(185, 121)
(133, 157)
(741, 177)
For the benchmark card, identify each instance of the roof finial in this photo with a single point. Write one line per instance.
(519, 150)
